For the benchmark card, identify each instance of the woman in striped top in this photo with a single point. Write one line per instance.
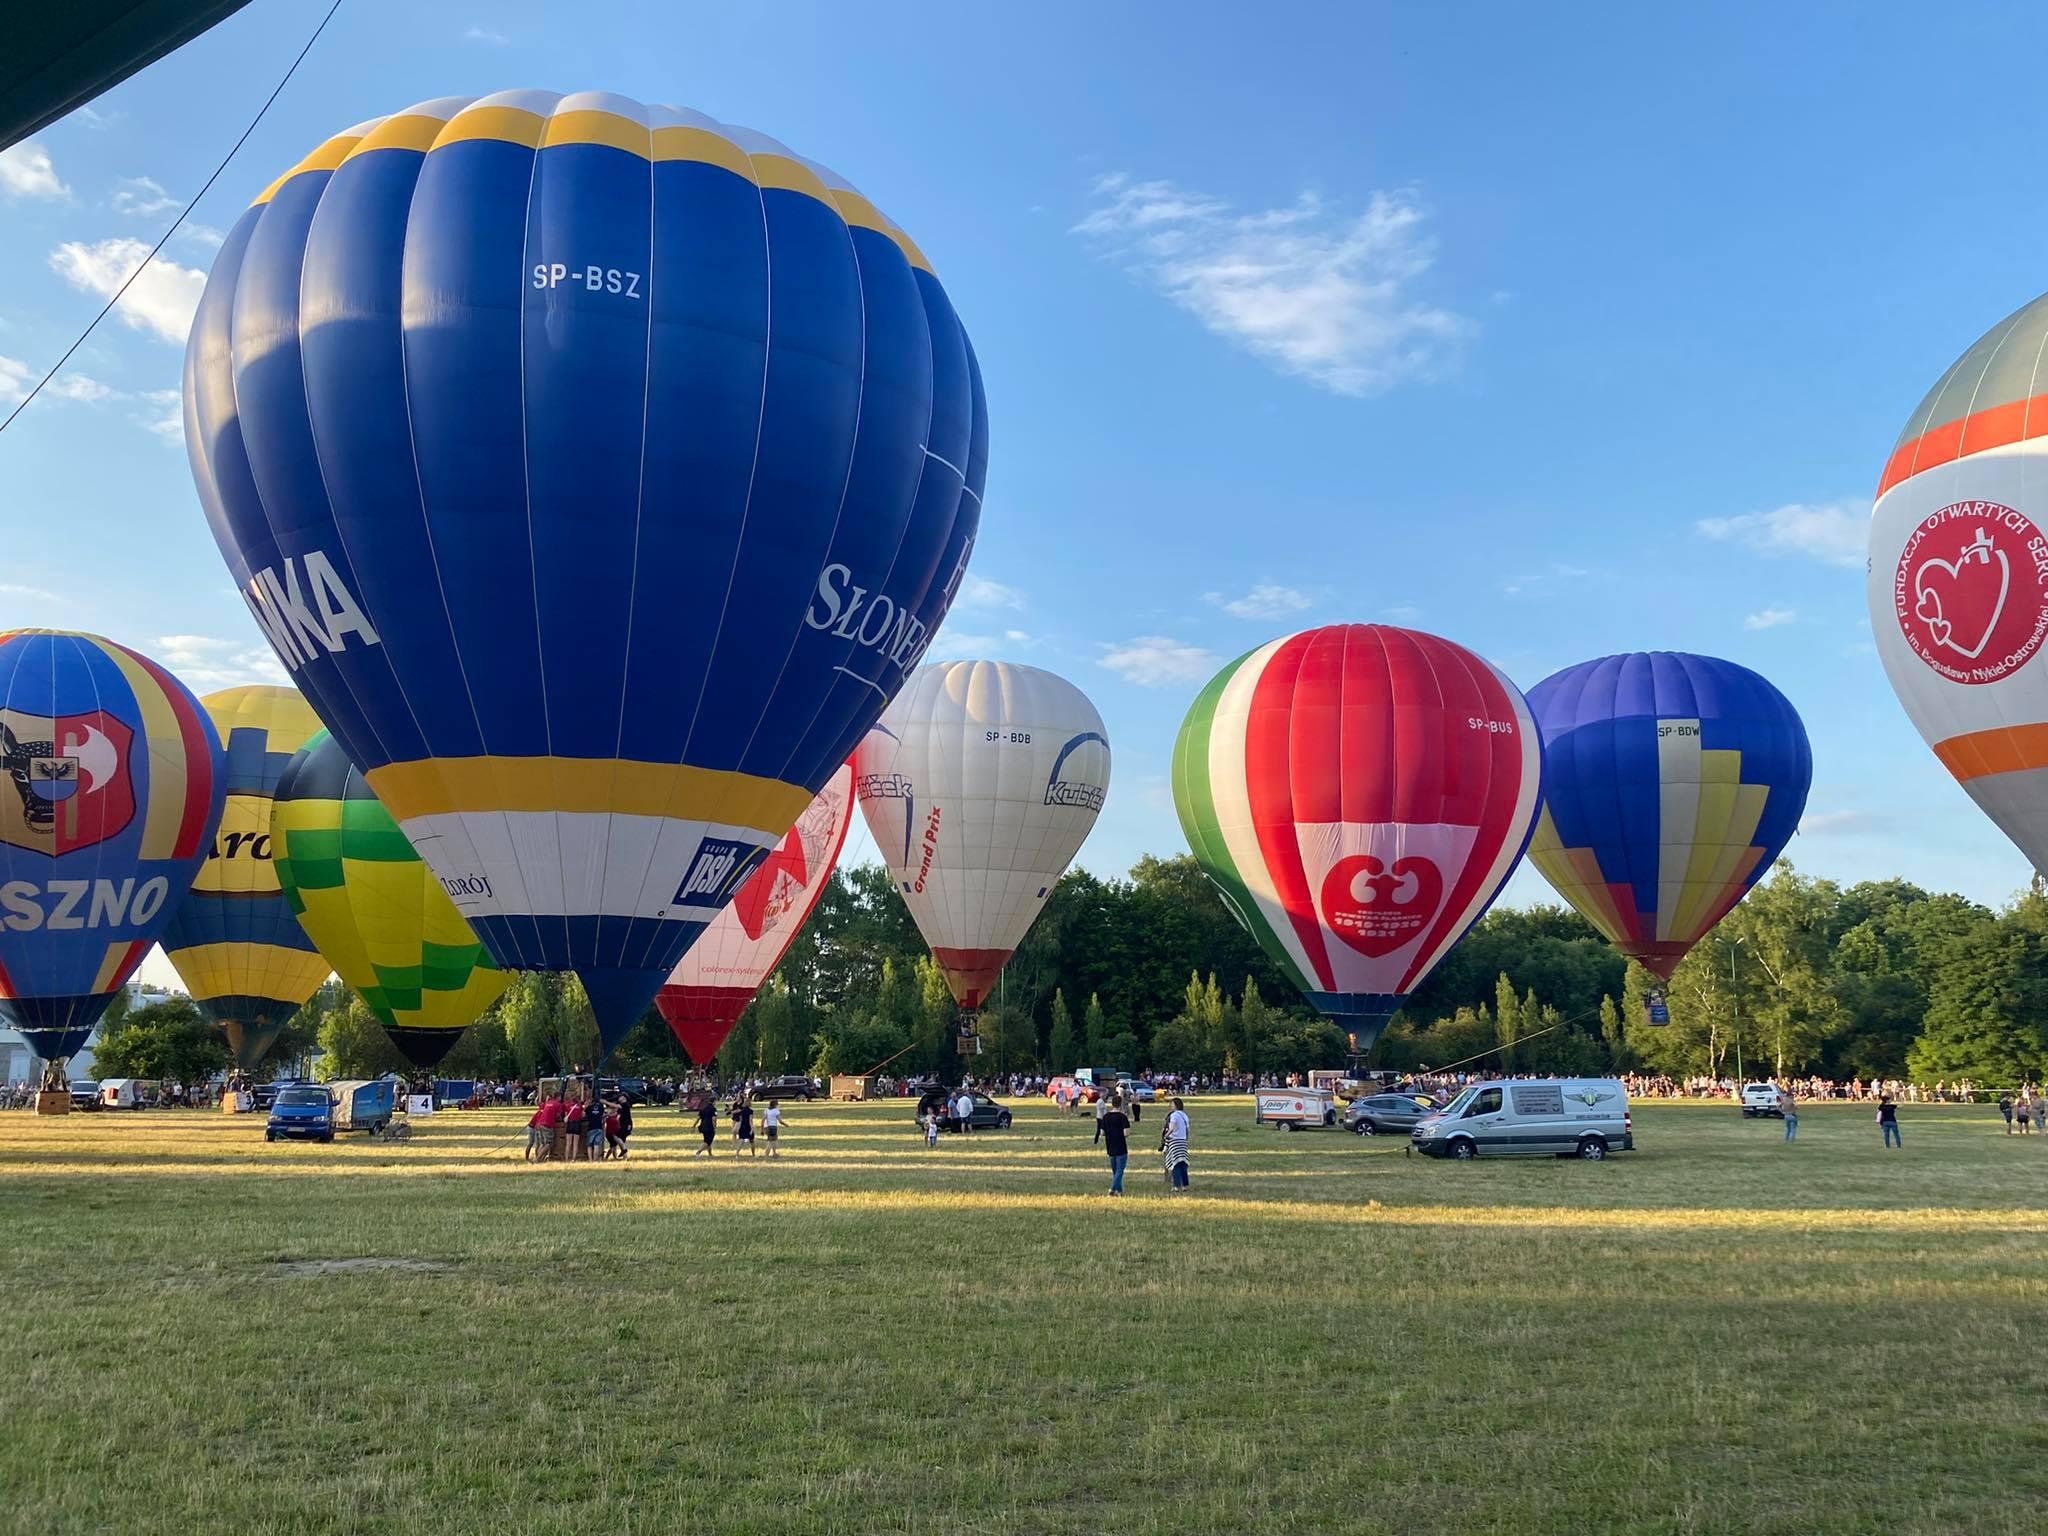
(1173, 1145)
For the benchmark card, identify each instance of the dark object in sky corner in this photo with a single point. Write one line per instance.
(60, 54)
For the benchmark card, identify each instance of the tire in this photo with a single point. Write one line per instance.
(1367, 1128)
(270, 1135)
(1593, 1149)
(1464, 1150)
(1003, 1121)
(324, 1140)
(1287, 1126)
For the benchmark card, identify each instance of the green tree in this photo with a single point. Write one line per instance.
(1987, 1016)
(1507, 1021)
(1615, 1034)
(776, 1028)
(1060, 1047)
(165, 1042)
(528, 1012)
(1094, 1031)
(932, 1030)
(353, 1045)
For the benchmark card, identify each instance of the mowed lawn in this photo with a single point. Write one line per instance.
(1715, 1333)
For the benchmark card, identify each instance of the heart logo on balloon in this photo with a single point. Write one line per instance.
(1377, 910)
(773, 888)
(1969, 591)
(1960, 593)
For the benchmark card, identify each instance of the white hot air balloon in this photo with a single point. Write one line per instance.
(980, 783)
(1958, 575)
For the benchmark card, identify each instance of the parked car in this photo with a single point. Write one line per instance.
(1071, 1088)
(1136, 1088)
(1384, 1114)
(1565, 1117)
(300, 1113)
(988, 1114)
(85, 1094)
(787, 1088)
(1762, 1101)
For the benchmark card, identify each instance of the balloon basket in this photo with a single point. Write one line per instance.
(53, 1101)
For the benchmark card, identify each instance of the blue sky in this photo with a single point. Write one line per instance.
(1554, 332)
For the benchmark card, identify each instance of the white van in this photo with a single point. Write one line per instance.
(1547, 1117)
(1293, 1108)
(123, 1093)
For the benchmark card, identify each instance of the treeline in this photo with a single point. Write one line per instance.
(1879, 979)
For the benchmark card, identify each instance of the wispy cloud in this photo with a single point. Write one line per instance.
(1545, 579)
(163, 297)
(975, 592)
(1833, 532)
(163, 413)
(203, 662)
(1769, 618)
(141, 197)
(1401, 613)
(1317, 294)
(1266, 600)
(1154, 661)
(22, 590)
(201, 234)
(1842, 823)
(26, 171)
(490, 37)
(16, 380)
(82, 388)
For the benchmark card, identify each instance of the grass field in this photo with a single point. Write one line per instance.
(1715, 1333)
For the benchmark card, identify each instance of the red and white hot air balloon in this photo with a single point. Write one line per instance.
(713, 983)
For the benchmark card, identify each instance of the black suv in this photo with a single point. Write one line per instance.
(786, 1088)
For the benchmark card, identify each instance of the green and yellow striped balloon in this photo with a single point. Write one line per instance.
(375, 910)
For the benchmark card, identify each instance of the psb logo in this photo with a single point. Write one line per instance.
(1970, 592)
(70, 778)
(720, 866)
(1078, 791)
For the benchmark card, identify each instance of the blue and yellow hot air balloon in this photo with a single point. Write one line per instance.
(113, 794)
(600, 471)
(243, 956)
(1670, 783)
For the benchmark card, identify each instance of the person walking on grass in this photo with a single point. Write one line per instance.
(2024, 1110)
(572, 1123)
(771, 1120)
(540, 1134)
(1791, 1110)
(707, 1122)
(1104, 1103)
(1173, 1147)
(930, 1118)
(742, 1127)
(1888, 1122)
(619, 1126)
(593, 1128)
(2005, 1109)
(1113, 1128)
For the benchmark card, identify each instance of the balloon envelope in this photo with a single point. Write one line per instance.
(712, 984)
(1671, 782)
(242, 955)
(1958, 575)
(1358, 794)
(113, 797)
(980, 784)
(378, 914)
(599, 470)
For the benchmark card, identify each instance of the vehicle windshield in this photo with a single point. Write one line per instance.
(302, 1098)
(1457, 1105)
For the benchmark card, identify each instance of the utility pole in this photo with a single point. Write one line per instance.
(1735, 1012)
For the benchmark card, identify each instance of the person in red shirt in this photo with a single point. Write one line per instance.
(549, 1119)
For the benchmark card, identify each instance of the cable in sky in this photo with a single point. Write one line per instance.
(176, 223)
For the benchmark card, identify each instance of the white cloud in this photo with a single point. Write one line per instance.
(1317, 295)
(142, 198)
(1017, 636)
(1266, 600)
(1769, 618)
(201, 234)
(163, 413)
(479, 33)
(80, 387)
(1153, 661)
(1541, 581)
(26, 171)
(16, 380)
(977, 593)
(1401, 613)
(163, 297)
(204, 663)
(1833, 532)
(21, 590)
(1844, 823)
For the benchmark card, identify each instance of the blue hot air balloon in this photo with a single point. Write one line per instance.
(1670, 783)
(599, 471)
(112, 798)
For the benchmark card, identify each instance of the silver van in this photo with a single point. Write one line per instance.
(1544, 1117)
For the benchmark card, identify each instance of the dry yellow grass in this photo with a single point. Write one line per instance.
(1716, 1333)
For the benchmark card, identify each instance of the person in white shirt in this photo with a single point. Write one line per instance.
(1173, 1147)
(771, 1118)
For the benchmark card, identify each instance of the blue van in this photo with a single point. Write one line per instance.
(301, 1112)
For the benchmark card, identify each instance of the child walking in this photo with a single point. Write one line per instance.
(772, 1119)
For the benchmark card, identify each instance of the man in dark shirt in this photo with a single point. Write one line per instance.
(1888, 1122)
(1112, 1127)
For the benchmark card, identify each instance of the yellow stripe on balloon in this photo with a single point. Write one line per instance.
(704, 147)
(452, 785)
(165, 811)
(509, 125)
(325, 158)
(112, 963)
(413, 131)
(250, 970)
(589, 126)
